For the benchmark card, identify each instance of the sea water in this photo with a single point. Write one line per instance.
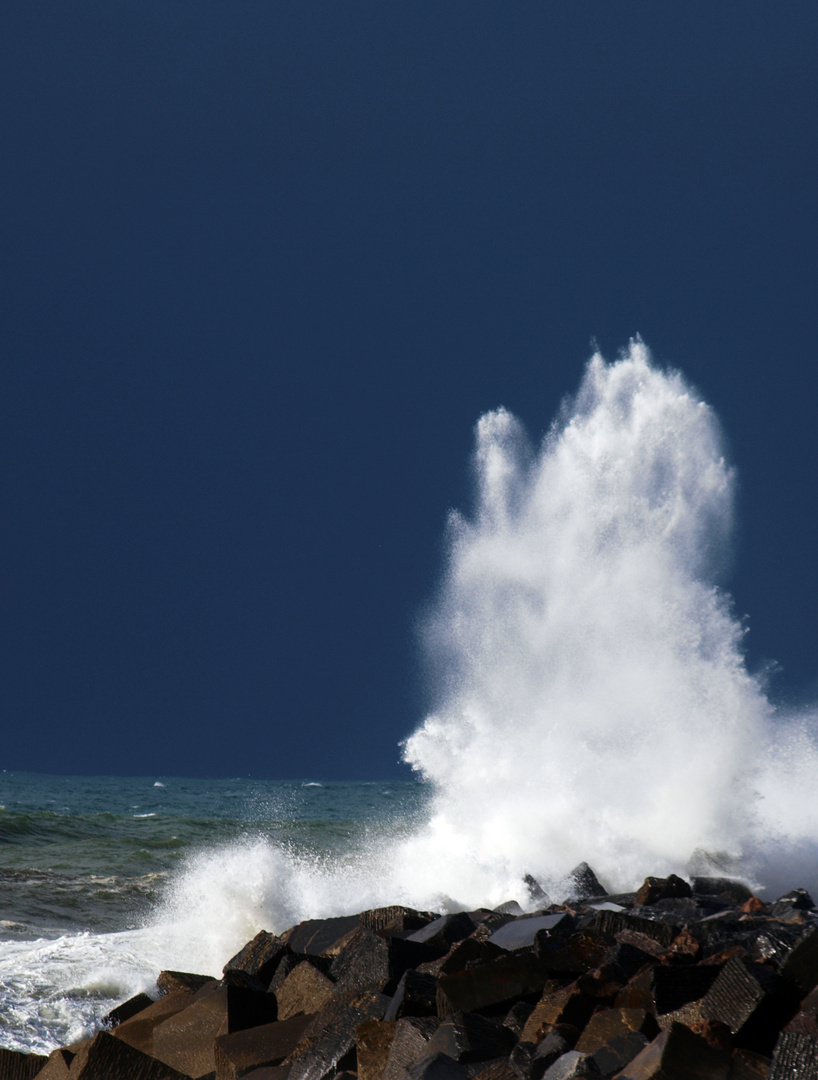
(592, 702)
(105, 881)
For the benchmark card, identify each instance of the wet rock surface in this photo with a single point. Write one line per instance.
(681, 979)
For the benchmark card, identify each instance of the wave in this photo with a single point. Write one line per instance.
(593, 702)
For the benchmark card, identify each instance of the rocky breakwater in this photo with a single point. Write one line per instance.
(681, 980)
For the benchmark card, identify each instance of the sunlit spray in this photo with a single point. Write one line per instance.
(593, 699)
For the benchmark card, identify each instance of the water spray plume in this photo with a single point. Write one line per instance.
(593, 700)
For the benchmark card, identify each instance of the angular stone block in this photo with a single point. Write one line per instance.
(126, 1010)
(563, 952)
(371, 962)
(265, 1046)
(168, 981)
(736, 892)
(609, 1023)
(186, 1040)
(416, 995)
(107, 1058)
(612, 922)
(412, 1035)
(517, 1016)
(752, 1001)
(397, 919)
(678, 1054)
(584, 883)
(773, 943)
(492, 983)
(667, 888)
(330, 1045)
(259, 957)
(619, 1052)
(627, 959)
(467, 953)
(57, 1065)
(654, 949)
(467, 1037)
(795, 1057)
(521, 933)
(556, 1043)
(18, 1066)
(138, 1031)
(444, 932)
(305, 990)
(558, 1005)
(321, 937)
(795, 899)
(373, 1042)
(509, 907)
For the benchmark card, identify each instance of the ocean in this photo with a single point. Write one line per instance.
(105, 881)
(591, 702)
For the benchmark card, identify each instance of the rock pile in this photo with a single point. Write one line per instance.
(695, 982)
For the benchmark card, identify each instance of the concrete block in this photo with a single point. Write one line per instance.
(107, 1058)
(267, 1045)
(18, 1066)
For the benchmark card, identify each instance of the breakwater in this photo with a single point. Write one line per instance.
(680, 979)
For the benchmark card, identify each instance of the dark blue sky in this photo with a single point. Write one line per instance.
(265, 262)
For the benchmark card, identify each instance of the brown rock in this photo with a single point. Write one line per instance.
(752, 1001)
(412, 1034)
(138, 1031)
(57, 1065)
(373, 1041)
(684, 948)
(606, 1025)
(753, 906)
(468, 1037)
(305, 990)
(259, 957)
(265, 1046)
(126, 1010)
(795, 1057)
(397, 919)
(492, 983)
(331, 1033)
(677, 1054)
(321, 937)
(186, 1040)
(667, 888)
(17, 1066)
(169, 981)
(107, 1058)
(564, 1005)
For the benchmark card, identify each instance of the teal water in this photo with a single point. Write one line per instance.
(105, 880)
